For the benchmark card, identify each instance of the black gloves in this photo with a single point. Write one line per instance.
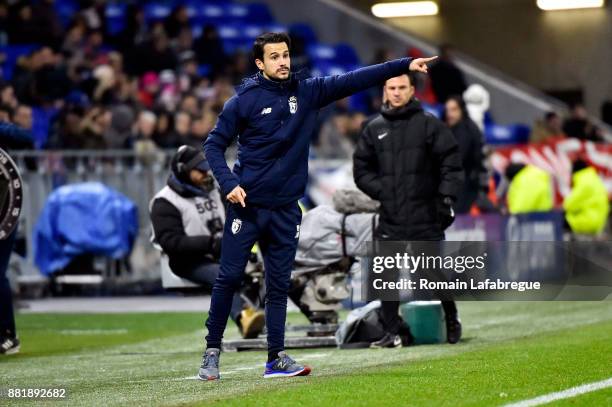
(446, 215)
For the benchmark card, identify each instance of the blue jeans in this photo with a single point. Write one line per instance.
(276, 232)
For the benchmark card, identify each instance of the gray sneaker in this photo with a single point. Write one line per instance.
(210, 365)
(284, 366)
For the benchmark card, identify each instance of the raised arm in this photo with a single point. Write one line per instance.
(220, 137)
(330, 88)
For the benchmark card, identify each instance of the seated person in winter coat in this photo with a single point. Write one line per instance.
(587, 206)
(530, 189)
(187, 217)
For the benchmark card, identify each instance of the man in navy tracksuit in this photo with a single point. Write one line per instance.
(274, 114)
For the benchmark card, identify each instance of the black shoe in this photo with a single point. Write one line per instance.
(9, 346)
(453, 329)
(388, 341)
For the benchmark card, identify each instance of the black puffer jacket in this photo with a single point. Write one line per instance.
(408, 160)
(471, 143)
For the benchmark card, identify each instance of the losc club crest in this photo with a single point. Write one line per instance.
(292, 104)
(11, 195)
(236, 226)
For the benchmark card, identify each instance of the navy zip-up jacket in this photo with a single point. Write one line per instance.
(274, 122)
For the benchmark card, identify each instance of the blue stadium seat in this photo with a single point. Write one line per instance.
(510, 134)
(230, 46)
(66, 9)
(304, 31)
(238, 11)
(253, 31)
(321, 53)
(229, 31)
(327, 69)
(346, 55)
(204, 70)
(157, 11)
(115, 17)
(260, 13)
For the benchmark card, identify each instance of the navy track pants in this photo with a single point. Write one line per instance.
(276, 230)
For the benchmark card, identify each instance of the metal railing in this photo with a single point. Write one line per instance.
(139, 177)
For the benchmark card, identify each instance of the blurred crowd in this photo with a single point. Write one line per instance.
(154, 86)
(145, 87)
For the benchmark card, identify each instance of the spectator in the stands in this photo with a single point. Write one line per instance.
(209, 50)
(66, 133)
(587, 206)
(163, 127)
(4, 23)
(93, 126)
(200, 127)
(5, 113)
(93, 48)
(154, 55)
(182, 128)
(188, 71)
(190, 104)
(135, 31)
(177, 21)
(22, 28)
(7, 96)
(50, 29)
(549, 128)
(471, 147)
(22, 117)
(183, 42)
(12, 136)
(240, 67)
(105, 77)
(74, 40)
(579, 126)
(149, 89)
(339, 136)
(446, 78)
(93, 13)
(143, 129)
(120, 129)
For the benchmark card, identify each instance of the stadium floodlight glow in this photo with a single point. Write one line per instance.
(549, 5)
(405, 9)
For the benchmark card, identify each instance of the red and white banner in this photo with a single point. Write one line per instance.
(555, 157)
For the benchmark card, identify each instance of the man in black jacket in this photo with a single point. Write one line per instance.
(410, 162)
(187, 217)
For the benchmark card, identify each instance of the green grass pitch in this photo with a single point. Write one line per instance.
(511, 351)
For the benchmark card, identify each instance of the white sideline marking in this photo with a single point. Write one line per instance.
(93, 331)
(565, 394)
